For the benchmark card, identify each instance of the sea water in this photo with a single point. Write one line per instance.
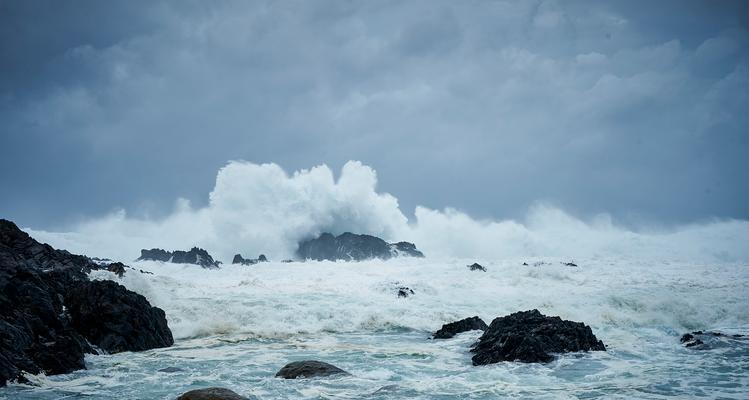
(235, 327)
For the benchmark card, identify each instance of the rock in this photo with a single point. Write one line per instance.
(405, 249)
(308, 369)
(468, 324)
(569, 264)
(117, 268)
(529, 336)
(709, 340)
(352, 247)
(196, 256)
(116, 319)
(214, 393)
(404, 291)
(476, 267)
(238, 259)
(170, 370)
(37, 331)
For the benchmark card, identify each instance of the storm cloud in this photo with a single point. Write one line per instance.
(630, 108)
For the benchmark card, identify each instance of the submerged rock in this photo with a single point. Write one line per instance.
(709, 340)
(308, 369)
(170, 370)
(352, 247)
(238, 259)
(195, 256)
(214, 393)
(529, 336)
(453, 328)
(476, 267)
(404, 291)
(38, 285)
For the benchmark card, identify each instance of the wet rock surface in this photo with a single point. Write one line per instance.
(308, 369)
(195, 256)
(352, 247)
(529, 336)
(708, 340)
(38, 288)
(453, 328)
(476, 267)
(214, 393)
(238, 259)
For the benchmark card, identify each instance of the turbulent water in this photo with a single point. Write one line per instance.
(235, 327)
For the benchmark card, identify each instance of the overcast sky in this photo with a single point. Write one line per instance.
(636, 108)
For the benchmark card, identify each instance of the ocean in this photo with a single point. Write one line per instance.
(235, 327)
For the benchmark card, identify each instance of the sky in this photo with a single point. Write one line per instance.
(637, 109)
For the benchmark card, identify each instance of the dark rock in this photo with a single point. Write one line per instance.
(213, 393)
(406, 249)
(468, 324)
(117, 268)
(529, 336)
(404, 291)
(569, 264)
(155, 255)
(195, 256)
(709, 340)
(37, 331)
(287, 261)
(308, 369)
(170, 370)
(238, 259)
(525, 263)
(116, 319)
(352, 247)
(476, 267)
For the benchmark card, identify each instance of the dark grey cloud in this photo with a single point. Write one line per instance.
(633, 108)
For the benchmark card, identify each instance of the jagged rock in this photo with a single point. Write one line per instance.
(196, 256)
(116, 319)
(569, 264)
(405, 249)
(476, 267)
(117, 268)
(238, 259)
(529, 336)
(711, 340)
(352, 247)
(453, 328)
(308, 369)
(404, 291)
(214, 393)
(37, 332)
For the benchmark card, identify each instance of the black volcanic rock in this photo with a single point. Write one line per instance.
(476, 267)
(453, 328)
(238, 259)
(37, 288)
(116, 319)
(529, 336)
(352, 247)
(708, 340)
(213, 393)
(308, 369)
(195, 256)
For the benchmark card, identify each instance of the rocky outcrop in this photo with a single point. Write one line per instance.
(214, 393)
(404, 291)
(39, 289)
(464, 325)
(195, 256)
(308, 369)
(476, 267)
(238, 259)
(352, 247)
(707, 340)
(529, 336)
(116, 319)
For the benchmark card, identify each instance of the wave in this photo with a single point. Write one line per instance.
(259, 208)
